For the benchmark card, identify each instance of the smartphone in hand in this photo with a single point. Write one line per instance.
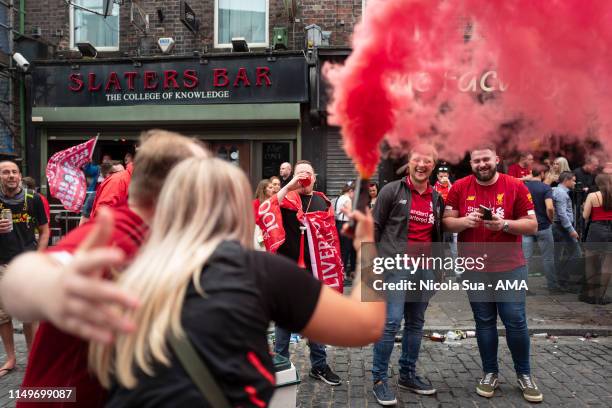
(487, 214)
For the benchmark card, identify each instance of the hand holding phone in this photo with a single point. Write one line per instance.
(487, 214)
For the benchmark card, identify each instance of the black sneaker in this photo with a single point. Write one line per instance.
(416, 384)
(326, 375)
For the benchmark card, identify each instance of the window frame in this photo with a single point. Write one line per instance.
(251, 45)
(73, 46)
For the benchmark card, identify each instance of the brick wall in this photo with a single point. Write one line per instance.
(338, 16)
(51, 17)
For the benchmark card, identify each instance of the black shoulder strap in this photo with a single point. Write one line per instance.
(198, 372)
(435, 196)
(597, 197)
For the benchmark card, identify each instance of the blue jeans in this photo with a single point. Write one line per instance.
(88, 204)
(413, 313)
(567, 257)
(546, 242)
(414, 316)
(514, 318)
(318, 356)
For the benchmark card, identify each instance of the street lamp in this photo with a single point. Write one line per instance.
(239, 44)
(87, 50)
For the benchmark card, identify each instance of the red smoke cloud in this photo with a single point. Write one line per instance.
(453, 71)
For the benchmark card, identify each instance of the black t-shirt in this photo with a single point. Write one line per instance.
(291, 246)
(245, 291)
(28, 213)
(586, 180)
(286, 181)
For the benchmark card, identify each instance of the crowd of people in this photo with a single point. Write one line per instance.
(570, 209)
(175, 253)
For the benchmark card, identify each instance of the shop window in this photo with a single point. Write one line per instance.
(85, 26)
(231, 154)
(241, 18)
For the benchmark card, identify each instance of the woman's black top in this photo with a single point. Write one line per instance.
(245, 291)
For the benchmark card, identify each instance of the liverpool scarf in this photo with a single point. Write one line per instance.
(323, 242)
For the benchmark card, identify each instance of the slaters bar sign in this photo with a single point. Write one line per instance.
(194, 82)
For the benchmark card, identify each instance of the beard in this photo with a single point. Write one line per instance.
(306, 190)
(486, 176)
(10, 188)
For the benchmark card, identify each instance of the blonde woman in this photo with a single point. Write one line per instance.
(559, 165)
(197, 276)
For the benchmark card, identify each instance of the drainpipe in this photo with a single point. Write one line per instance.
(22, 101)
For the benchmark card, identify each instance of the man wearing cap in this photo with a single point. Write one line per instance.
(443, 183)
(443, 186)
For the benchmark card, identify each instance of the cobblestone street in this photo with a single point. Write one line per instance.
(570, 373)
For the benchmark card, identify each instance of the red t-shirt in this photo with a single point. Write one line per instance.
(515, 170)
(508, 198)
(59, 359)
(442, 189)
(113, 191)
(421, 219)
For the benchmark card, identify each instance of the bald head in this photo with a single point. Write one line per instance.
(285, 170)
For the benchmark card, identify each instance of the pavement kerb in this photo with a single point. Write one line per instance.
(604, 331)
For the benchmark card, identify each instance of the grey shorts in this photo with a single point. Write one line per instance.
(4, 318)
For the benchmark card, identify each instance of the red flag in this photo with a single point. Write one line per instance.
(65, 175)
(270, 221)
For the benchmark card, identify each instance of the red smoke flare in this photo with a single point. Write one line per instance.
(451, 72)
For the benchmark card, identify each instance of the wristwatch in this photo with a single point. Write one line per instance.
(506, 227)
